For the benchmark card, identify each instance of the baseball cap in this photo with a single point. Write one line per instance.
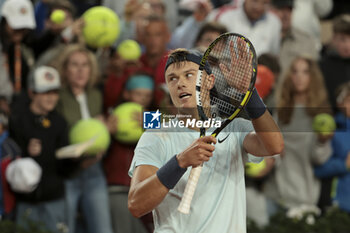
(45, 79)
(139, 81)
(19, 14)
(283, 3)
(23, 175)
(265, 80)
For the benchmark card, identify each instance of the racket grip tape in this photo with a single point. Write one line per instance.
(190, 188)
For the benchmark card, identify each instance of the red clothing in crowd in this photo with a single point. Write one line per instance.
(157, 73)
(117, 163)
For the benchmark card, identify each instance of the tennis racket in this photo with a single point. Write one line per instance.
(223, 94)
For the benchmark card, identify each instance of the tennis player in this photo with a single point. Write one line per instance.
(160, 167)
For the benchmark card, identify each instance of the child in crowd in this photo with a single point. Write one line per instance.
(40, 131)
(339, 163)
(301, 97)
(139, 89)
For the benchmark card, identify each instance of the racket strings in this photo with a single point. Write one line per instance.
(231, 64)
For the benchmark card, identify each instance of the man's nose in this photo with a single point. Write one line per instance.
(181, 82)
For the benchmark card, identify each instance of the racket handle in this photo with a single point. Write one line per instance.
(190, 188)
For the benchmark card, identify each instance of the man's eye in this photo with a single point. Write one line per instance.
(189, 75)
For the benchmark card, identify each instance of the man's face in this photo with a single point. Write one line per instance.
(341, 43)
(181, 81)
(207, 38)
(47, 101)
(16, 35)
(255, 9)
(142, 96)
(155, 38)
(285, 15)
(78, 70)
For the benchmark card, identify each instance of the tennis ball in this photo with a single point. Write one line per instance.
(101, 28)
(58, 16)
(84, 130)
(253, 169)
(128, 130)
(324, 124)
(129, 50)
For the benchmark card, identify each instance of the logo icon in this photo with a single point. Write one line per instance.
(151, 120)
(222, 140)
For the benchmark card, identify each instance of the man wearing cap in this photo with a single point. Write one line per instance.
(17, 20)
(40, 131)
(294, 42)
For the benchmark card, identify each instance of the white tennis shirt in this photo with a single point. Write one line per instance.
(219, 203)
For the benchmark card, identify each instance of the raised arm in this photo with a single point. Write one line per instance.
(267, 139)
(150, 185)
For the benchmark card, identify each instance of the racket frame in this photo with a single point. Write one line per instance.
(185, 204)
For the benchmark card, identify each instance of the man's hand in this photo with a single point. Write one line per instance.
(34, 147)
(323, 138)
(198, 152)
(239, 72)
(202, 10)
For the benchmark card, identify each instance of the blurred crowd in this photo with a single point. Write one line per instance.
(50, 79)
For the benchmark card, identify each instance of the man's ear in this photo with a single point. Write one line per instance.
(211, 82)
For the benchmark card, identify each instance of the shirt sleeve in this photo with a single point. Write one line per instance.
(149, 151)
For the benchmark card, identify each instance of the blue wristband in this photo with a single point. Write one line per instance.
(255, 106)
(170, 173)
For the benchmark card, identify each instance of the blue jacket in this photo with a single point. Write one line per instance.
(335, 166)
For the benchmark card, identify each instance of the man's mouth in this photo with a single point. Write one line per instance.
(184, 95)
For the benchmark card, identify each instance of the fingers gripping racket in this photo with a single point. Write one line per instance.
(224, 93)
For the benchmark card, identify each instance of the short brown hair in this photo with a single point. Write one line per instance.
(211, 27)
(341, 24)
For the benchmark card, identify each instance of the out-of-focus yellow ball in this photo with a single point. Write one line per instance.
(58, 16)
(128, 130)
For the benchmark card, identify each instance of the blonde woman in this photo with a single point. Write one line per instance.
(301, 97)
(79, 99)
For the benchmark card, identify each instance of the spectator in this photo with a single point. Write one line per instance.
(301, 97)
(307, 14)
(208, 33)
(170, 8)
(155, 40)
(184, 36)
(152, 61)
(339, 163)
(40, 131)
(118, 72)
(9, 150)
(16, 23)
(79, 99)
(138, 89)
(294, 42)
(253, 20)
(335, 63)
